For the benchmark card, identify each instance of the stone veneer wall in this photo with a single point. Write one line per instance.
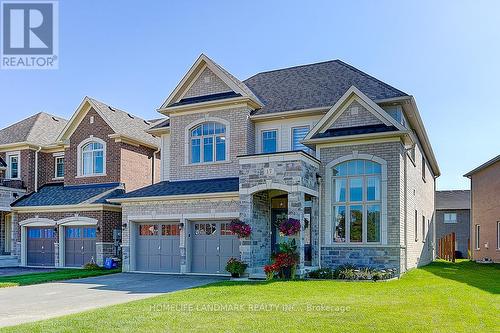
(388, 256)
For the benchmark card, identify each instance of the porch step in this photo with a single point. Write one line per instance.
(8, 261)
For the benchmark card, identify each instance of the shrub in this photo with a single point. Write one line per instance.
(351, 272)
(235, 266)
(92, 266)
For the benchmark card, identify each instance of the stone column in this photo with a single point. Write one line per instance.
(246, 212)
(315, 231)
(296, 202)
(183, 246)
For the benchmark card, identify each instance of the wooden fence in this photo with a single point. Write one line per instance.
(446, 247)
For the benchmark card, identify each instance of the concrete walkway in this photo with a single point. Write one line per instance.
(30, 303)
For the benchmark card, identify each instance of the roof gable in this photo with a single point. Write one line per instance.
(205, 68)
(122, 123)
(352, 95)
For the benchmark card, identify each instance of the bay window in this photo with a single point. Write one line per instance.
(357, 202)
(208, 143)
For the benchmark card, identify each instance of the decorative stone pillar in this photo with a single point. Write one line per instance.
(315, 231)
(125, 246)
(183, 244)
(57, 263)
(296, 202)
(103, 250)
(246, 212)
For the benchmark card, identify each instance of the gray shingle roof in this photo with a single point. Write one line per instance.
(313, 86)
(125, 123)
(39, 129)
(57, 194)
(163, 123)
(459, 199)
(2, 163)
(203, 186)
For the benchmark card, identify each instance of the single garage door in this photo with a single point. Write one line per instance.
(213, 245)
(40, 246)
(158, 248)
(79, 246)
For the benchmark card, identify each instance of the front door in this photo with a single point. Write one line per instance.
(40, 246)
(277, 216)
(80, 245)
(213, 245)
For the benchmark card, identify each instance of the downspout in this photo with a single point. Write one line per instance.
(36, 167)
(320, 187)
(153, 173)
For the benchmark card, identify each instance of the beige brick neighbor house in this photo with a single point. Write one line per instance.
(326, 144)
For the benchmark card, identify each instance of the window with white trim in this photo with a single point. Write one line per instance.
(423, 229)
(298, 134)
(478, 239)
(92, 159)
(357, 202)
(208, 143)
(416, 226)
(269, 141)
(450, 217)
(13, 169)
(59, 167)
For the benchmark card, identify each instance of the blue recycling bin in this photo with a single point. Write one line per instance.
(109, 263)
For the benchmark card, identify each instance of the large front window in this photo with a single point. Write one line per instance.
(208, 142)
(93, 159)
(357, 202)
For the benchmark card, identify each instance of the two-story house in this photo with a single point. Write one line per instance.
(99, 153)
(453, 216)
(26, 146)
(344, 153)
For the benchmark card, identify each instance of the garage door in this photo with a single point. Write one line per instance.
(158, 248)
(40, 246)
(79, 246)
(213, 245)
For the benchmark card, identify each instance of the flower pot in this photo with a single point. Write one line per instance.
(235, 275)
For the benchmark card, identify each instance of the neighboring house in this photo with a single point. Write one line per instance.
(485, 198)
(26, 146)
(67, 222)
(453, 215)
(344, 153)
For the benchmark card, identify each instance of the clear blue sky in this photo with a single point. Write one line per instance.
(131, 54)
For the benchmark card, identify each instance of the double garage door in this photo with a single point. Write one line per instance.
(212, 244)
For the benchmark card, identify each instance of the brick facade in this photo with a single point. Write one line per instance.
(355, 115)
(207, 83)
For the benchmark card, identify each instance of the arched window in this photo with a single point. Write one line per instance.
(92, 159)
(356, 202)
(208, 142)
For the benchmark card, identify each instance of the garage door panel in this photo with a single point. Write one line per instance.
(80, 245)
(158, 248)
(40, 246)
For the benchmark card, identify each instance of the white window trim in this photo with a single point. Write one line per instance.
(261, 147)
(79, 167)
(383, 199)
(477, 238)
(187, 140)
(453, 221)
(309, 151)
(8, 157)
(55, 166)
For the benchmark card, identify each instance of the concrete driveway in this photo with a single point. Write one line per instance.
(30, 303)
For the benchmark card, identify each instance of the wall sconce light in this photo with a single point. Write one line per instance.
(124, 226)
(98, 229)
(181, 225)
(55, 229)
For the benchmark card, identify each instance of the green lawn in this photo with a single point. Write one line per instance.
(442, 297)
(57, 275)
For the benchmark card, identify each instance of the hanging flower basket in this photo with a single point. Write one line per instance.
(289, 227)
(240, 228)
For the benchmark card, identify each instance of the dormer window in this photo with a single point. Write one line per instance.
(92, 158)
(208, 143)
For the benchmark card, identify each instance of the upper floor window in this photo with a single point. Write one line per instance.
(478, 239)
(92, 159)
(423, 168)
(396, 113)
(208, 142)
(269, 141)
(59, 167)
(357, 202)
(298, 134)
(13, 166)
(450, 217)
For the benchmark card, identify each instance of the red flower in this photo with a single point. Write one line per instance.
(289, 227)
(241, 229)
